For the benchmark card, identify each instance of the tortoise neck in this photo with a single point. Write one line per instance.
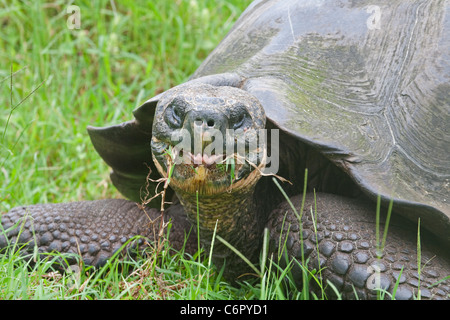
(233, 216)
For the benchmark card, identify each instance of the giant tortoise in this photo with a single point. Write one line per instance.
(323, 108)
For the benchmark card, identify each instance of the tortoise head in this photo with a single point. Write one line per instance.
(205, 138)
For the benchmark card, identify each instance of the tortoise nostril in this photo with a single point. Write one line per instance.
(200, 122)
(207, 120)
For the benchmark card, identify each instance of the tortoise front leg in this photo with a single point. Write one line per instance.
(94, 229)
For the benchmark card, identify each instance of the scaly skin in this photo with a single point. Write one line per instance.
(233, 216)
(96, 229)
(346, 242)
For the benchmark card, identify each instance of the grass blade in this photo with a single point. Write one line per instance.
(240, 255)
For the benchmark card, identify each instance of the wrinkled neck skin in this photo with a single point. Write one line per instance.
(234, 217)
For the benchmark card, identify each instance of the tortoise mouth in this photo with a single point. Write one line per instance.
(208, 174)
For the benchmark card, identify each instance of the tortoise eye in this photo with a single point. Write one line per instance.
(241, 119)
(174, 114)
